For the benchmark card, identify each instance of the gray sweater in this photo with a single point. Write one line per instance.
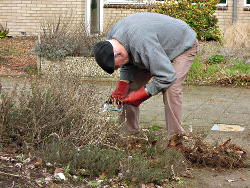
(152, 40)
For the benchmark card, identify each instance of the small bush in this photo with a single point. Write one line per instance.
(61, 38)
(195, 75)
(96, 160)
(57, 151)
(230, 72)
(199, 14)
(64, 36)
(139, 168)
(216, 59)
(60, 106)
(4, 31)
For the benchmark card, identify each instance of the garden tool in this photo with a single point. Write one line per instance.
(111, 110)
(110, 106)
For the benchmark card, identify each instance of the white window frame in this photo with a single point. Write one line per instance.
(131, 2)
(245, 3)
(88, 12)
(223, 4)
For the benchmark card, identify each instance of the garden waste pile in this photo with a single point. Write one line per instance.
(197, 151)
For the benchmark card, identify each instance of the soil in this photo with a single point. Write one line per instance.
(16, 54)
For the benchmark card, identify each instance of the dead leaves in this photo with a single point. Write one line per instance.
(226, 155)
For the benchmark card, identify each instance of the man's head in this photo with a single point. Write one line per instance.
(110, 55)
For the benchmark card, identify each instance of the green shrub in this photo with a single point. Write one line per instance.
(199, 14)
(216, 59)
(195, 73)
(57, 151)
(96, 160)
(140, 168)
(4, 31)
(137, 168)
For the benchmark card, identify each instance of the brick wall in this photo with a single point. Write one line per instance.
(27, 15)
(224, 14)
(113, 14)
(243, 15)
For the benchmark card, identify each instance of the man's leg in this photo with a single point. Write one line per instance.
(130, 114)
(172, 97)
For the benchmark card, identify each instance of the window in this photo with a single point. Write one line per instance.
(223, 3)
(247, 2)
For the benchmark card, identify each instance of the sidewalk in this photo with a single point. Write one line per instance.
(205, 106)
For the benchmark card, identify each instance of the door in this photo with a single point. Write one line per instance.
(95, 16)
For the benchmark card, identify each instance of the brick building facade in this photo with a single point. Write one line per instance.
(23, 17)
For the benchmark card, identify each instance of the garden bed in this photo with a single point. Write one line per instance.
(16, 55)
(53, 108)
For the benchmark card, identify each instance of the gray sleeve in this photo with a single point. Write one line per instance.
(160, 67)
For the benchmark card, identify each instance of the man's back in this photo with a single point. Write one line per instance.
(134, 31)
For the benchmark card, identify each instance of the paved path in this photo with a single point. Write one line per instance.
(205, 106)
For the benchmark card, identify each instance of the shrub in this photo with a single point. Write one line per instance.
(216, 59)
(97, 160)
(60, 106)
(139, 168)
(57, 151)
(199, 14)
(4, 31)
(62, 37)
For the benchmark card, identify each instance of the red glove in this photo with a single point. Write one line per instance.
(137, 97)
(121, 90)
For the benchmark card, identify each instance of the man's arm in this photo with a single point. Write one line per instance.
(160, 67)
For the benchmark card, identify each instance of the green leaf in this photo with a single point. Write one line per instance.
(94, 183)
(154, 128)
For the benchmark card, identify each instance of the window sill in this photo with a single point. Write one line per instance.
(126, 5)
(222, 7)
(246, 8)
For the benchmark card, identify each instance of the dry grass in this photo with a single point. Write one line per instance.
(237, 36)
(57, 107)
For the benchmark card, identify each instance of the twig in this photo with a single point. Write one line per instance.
(13, 175)
(113, 147)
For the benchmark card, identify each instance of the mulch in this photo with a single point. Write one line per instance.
(16, 54)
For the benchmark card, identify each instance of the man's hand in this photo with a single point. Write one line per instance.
(137, 97)
(121, 91)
